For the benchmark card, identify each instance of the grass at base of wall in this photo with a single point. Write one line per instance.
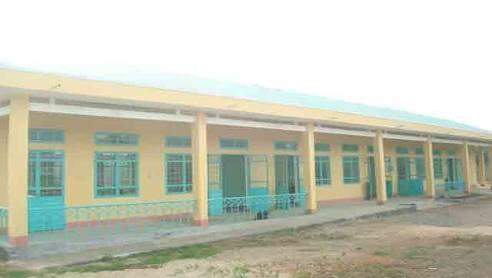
(151, 259)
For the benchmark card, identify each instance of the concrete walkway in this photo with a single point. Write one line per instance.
(43, 256)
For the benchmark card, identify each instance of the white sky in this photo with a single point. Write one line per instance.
(424, 56)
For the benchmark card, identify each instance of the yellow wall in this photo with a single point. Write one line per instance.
(80, 150)
(338, 190)
(4, 126)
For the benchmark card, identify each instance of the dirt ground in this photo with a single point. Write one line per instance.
(446, 242)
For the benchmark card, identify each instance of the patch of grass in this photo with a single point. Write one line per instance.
(416, 253)
(240, 271)
(14, 273)
(464, 240)
(143, 260)
(380, 253)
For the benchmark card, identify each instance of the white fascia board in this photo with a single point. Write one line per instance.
(254, 124)
(344, 132)
(4, 111)
(404, 137)
(447, 141)
(479, 144)
(109, 113)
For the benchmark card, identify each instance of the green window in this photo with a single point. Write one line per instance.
(388, 166)
(350, 148)
(419, 150)
(37, 135)
(420, 167)
(351, 172)
(178, 142)
(370, 149)
(282, 145)
(46, 173)
(116, 174)
(323, 170)
(401, 150)
(322, 147)
(438, 172)
(178, 173)
(234, 143)
(110, 138)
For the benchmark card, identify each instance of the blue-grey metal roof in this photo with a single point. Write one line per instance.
(193, 84)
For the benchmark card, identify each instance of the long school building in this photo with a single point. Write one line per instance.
(82, 153)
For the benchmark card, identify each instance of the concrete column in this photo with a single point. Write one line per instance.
(467, 173)
(308, 160)
(17, 170)
(380, 168)
(482, 179)
(430, 182)
(200, 169)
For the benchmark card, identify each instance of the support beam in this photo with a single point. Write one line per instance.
(482, 178)
(109, 113)
(430, 182)
(17, 170)
(200, 169)
(467, 173)
(380, 168)
(308, 161)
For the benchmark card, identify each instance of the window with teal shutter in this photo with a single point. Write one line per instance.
(283, 145)
(111, 138)
(323, 170)
(438, 171)
(38, 135)
(401, 150)
(351, 169)
(233, 143)
(388, 166)
(350, 148)
(116, 174)
(322, 147)
(178, 142)
(419, 150)
(436, 152)
(370, 149)
(179, 178)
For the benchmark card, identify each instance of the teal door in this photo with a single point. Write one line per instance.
(46, 202)
(287, 174)
(233, 176)
(287, 182)
(371, 183)
(371, 178)
(408, 184)
(454, 179)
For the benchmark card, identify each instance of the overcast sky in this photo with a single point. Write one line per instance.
(429, 57)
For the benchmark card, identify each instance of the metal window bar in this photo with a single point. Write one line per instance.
(116, 174)
(179, 177)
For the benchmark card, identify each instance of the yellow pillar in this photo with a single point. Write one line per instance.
(17, 170)
(380, 168)
(200, 182)
(467, 173)
(430, 182)
(308, 160)
(482, 179)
